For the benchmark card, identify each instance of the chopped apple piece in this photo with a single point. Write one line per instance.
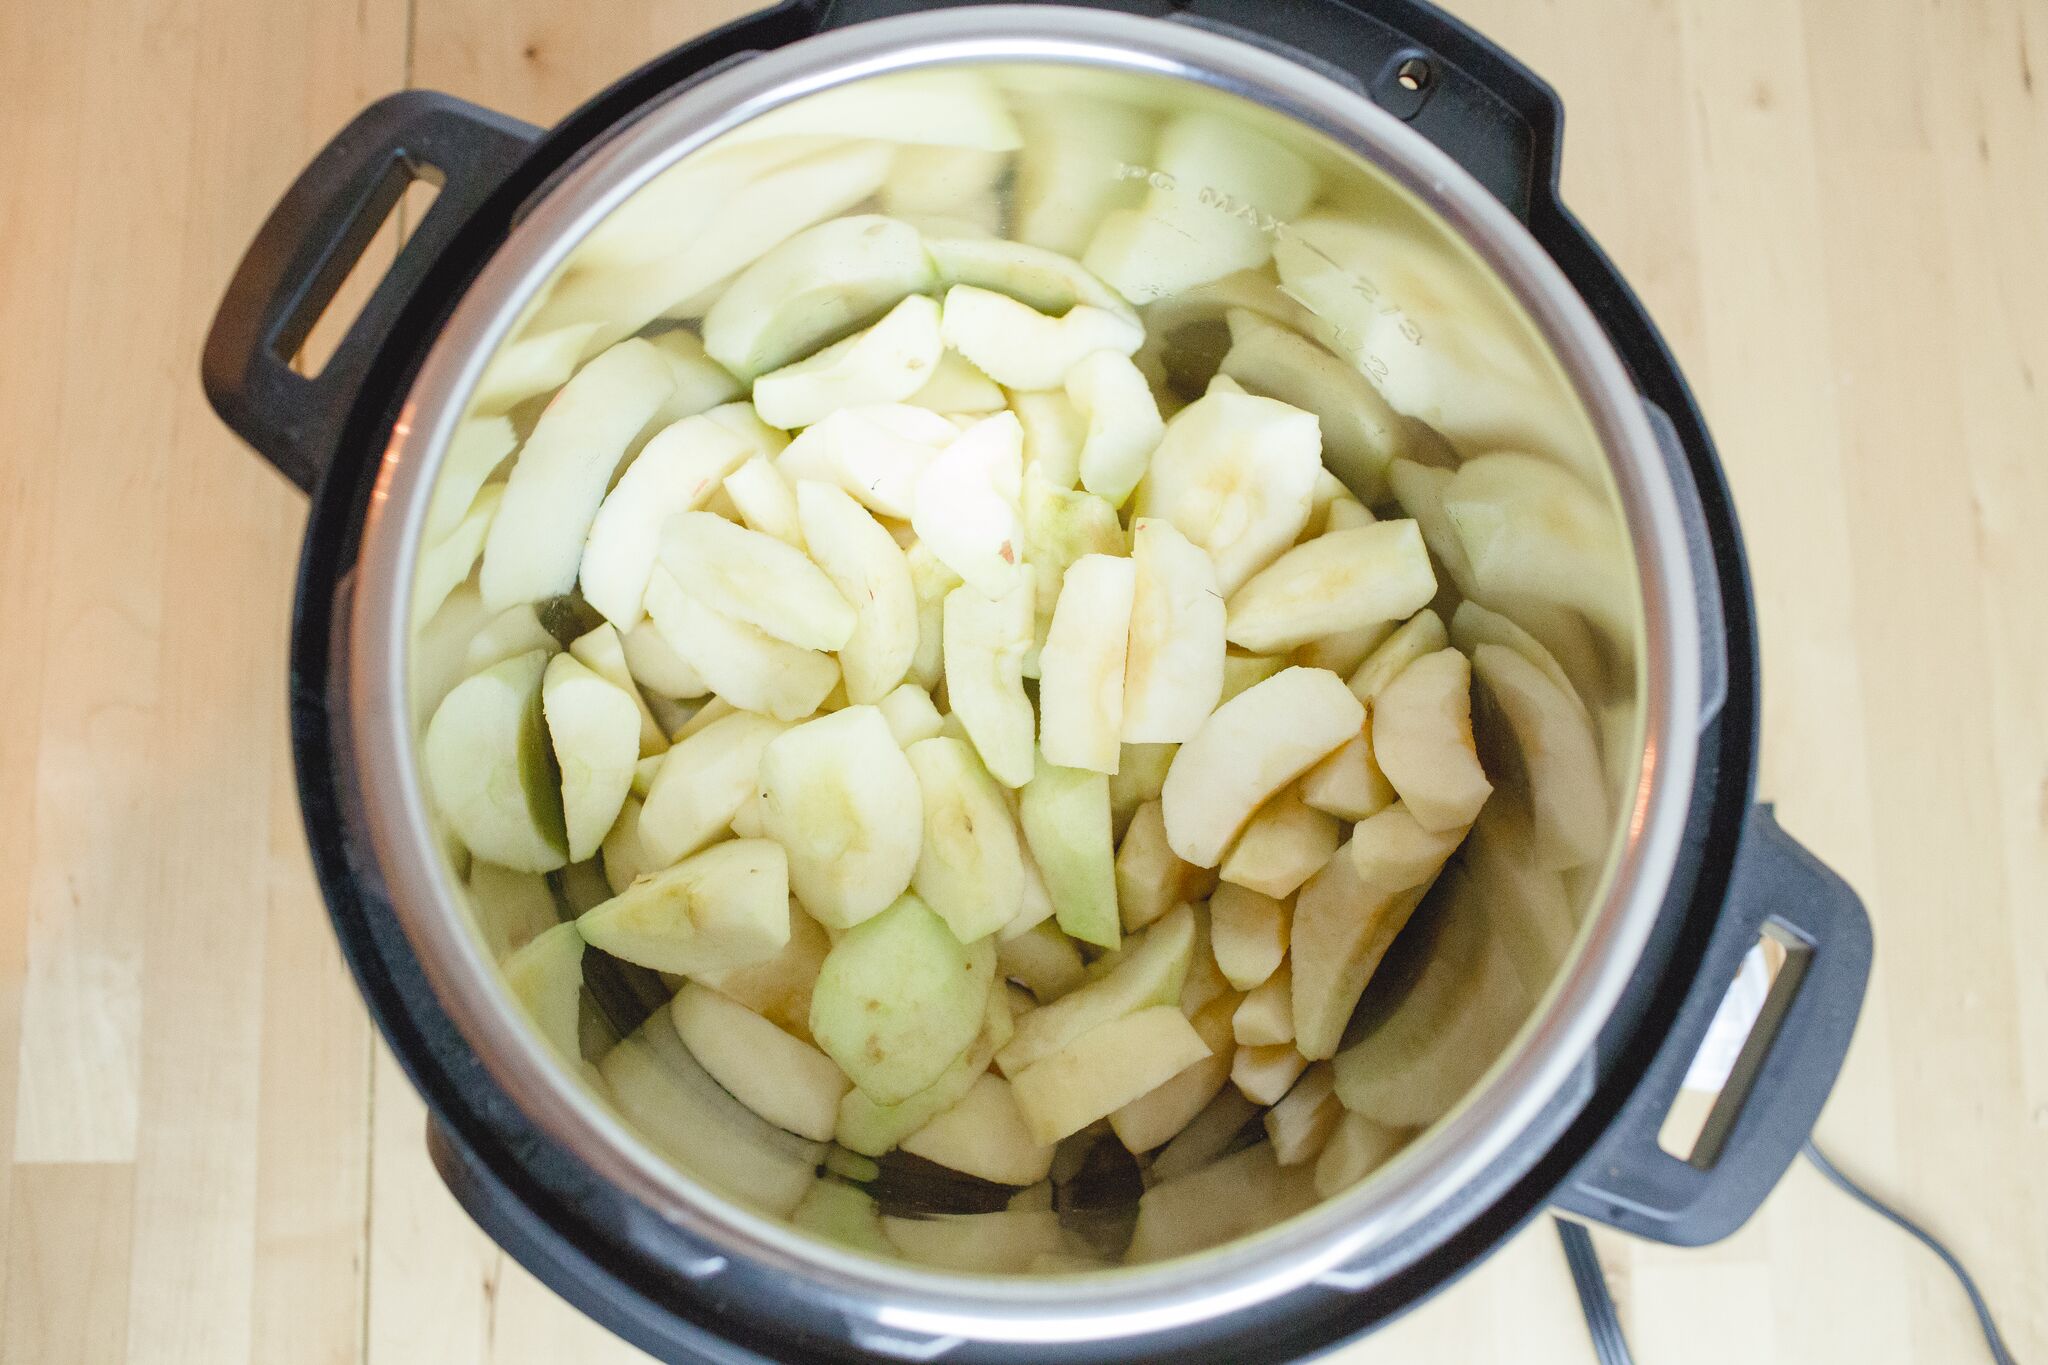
(1068, 169)
(1000, 1243)
(1173, 674)
(1022, 348)
(1248, 934)
(488, 767)
(783, 1079)
(560, 475)
(875, 452)
(701, 387)
(626, 860)
(946, 182)
(1045, 281)
(537, 363)
(1361, 432)
(444, 564)
(1065, 816)
(1123, 423)
(937, 106)
(957, 388)
(546, 977)
(869, 571)
(1282, 847)
(603, 652)
(984, 1135)
(899, 998)
(1343, 580)
(1355, 1148)
(970, 868)
(965, 505)
(1139, 777)
(1419, 488)
(1060, 526)
(1525, 903)
(1473, 625)
(440, 649)
(1156, 1116)
(1053, 432)
(511, 909)
(886, 363)
(746, 666)
(1151, 878)
(1349, 784)
(873, 1129)
(765, 500)
(1263, 1074)
(1250, 747)
(1149, 972)
(1081, 693)
(778, 988)
(840, 1213)
(757, 579)
(814, 288)
(1423, 633)
(910, 714)
(985, 641)
(1105, 1069)
(1208, 1135)
(1302, 1122)
(1532, 529)
(594, 728)
(723, 909)
(678, 472)
(702, 784)
(708, 711)
(1044, 960)
(1235, 473)
(843, 800)
(1267, 1014)
(1422, 738)
(1560, 753)
(659, 668)
(1218, 1201)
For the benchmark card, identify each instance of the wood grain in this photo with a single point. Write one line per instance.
(1833, 209)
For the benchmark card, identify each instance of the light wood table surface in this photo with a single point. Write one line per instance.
(1838, 212)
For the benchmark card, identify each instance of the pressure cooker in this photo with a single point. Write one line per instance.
(1402, 112)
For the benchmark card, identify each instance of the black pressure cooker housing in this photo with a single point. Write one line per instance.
(610, 1256)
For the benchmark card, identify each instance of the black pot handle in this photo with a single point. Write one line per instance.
(1782, 1076)
(311, 241)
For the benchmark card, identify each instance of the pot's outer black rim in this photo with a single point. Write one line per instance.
(589, 1225)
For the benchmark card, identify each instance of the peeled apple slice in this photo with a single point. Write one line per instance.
(984, 1135)
(1053, 432)
(1343, 580)
(1283, 846)
(1173, 670)
(747, 667)
(657, 667)
(1153, 1118)
(1266, 1015)
(765, 500)
(1532, 529)
(1043, 960)
(873, 1129)
(869, 571)
(844, 801)
(1060, 526)
(946, 108)
(874, 452)
(1473, 625)
(1248, 933)
(717, 911)
(1123, 423)
(537, 363)
(1422, 738)
(1361, 432)
(1081, 668)
(594, 728)
(442, 566)
(1253, 745)
(702, 782)
(1355, 1148)
(999, 1243)
(985, 642)
(1303, 1121)
(970, 868)
(910, 714)
(1348, 784)
(1139, 776)
(546, 977)
(783, 1079)
(1150, 878)
(1069, 170)
(702, 384)
(1218, 189)
(886, 363)
(1421, 634)
(478, 447)
(957, 387)
(1104, 1069)
(511, 908)
(965, 504)
(1236, 474)
(559, 478)
(1045, 280)
(1150, 972)
(1218, 1201)
(1560, 753)
(1066, 819)
(945, 181)
(843, 1214)
(603, 652)
(757, 579)
(778, 988)
(677, 472)
(489, 770)
(814, 288)
(899, 998)
(670, 210)
(1022, 348)
(625, 859)
(1419, 488)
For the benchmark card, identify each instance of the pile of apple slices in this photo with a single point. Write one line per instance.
(984, 756)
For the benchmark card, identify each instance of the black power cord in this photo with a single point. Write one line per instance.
(1610, 1347)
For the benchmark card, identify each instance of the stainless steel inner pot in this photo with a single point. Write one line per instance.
(1573, 405)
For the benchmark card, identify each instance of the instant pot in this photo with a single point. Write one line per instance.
(1418, 108)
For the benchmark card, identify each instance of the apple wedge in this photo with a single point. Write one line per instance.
(1060, 526)
(840, 1213)
(813, 289)
(874, 452)
(744, 665)
(1235, 473)
(1340, 581)
(870, 572)
(1139, 777)
(536, 363)
(1022, 348)
(1068, 170)
(1173, 671)
(1423, 633)
(1208, 1136)
(536, 540)
(1081, 668)
(985, 642)
(444, 564)
(658, 668)
(1419, 489)
(1361, 432)
(1123, 424)
(1266, 1015)
(927, 180)
(720, 910)
(1567, 788)
(1044, 960)
(1250, 747)
(594, 729)
(910, 714)
(970, 868)
(999, 1243)
(1053, 432)
(946, 107)
(1219, 1201)
(1045, 281)
(757, 579)
(931, 581)
(1530, 528)
(1151, 879)
(1264, 1073)
(1355, 1148)
(984, 1135)
(765, 500)
(439, 649)
(899, 998)
(1066, 819)
(843, 800)
(1348, 784)
(956, 388)
(1241, 671)
(885, 363)
(489, 769)
(603, 651)
(1248, 934)
(783, 1079)
(1149, 972)
(702, 386)
(965, 505)
(1473, 625)
(677, 472)
(626, 860)
(479, 446)
(1282, 847)
(1525, 903)
(778, 988)
(872, 1129)
(546, 977)
(1104, 1069)
(1300, 1125)
(1422, 739)
(1152, 1120)
(510, 633)
(702, 783)
(511, 909)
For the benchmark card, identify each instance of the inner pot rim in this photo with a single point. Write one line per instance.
(1124, 1302)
